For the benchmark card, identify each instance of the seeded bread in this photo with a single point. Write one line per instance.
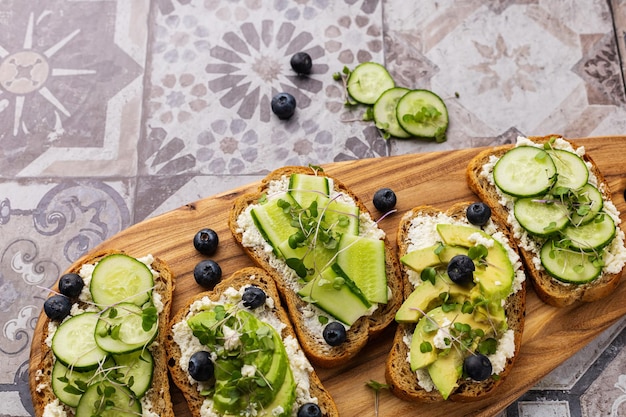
(159, 394)
(402, 382)
(245, 276)
(318, 352)
(549, 290)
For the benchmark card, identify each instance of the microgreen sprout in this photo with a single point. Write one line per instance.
(376, 386)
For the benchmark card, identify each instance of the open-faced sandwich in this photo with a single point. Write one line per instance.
(460, 326)
(233, 352)
(559, 208)
(103, 350)
(331, 262)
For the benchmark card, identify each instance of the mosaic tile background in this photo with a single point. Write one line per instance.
(115, 111)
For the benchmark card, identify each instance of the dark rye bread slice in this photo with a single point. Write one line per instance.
(159, 393)
(401, 380)
(549, 289)
(245, 276)
(319, 352)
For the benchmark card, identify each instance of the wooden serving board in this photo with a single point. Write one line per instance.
(551, 334)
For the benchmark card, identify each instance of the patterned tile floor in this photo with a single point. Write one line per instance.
(115, 111)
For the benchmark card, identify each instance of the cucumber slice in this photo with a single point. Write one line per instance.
(363, 261)
(587, 203)
(571, 170)
(67, 383)
(306, 188)
(539, 217)
(273, 223)
(121, 278)
(525, 171)
(335, 293)
(74, 344)
(385, 112)
(368, 81)
(341, 217)
(423, 114)
(108, 400)
(119, 329)
(139, 366)
(593, 235)
(568, 265)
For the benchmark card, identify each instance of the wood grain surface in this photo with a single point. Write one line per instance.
(551, 334)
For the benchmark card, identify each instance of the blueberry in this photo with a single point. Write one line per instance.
(477, 366)
(253, 297)
(301, 63)
(461, 269)
(334, 333)
(478, 213)
(207, 273)
(205, 241)
(384, 200)
(309, 410)
(283, 105)
(201, 366)
(57, 307)
(71, 285)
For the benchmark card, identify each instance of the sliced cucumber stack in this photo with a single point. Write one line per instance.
(554, 201)
(397, 111)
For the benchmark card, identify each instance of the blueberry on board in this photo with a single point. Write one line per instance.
(205, 241)
(384, 200)
(283, 105)
(478, 213)
(301, 63)
(477, 366)
(201, 366)
(334, 333)
(57, 307)
(207, 273)
(71, 285)
(461, 269)
(309, 410)
(253, 297)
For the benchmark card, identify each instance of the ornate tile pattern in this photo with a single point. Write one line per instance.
(113, 111)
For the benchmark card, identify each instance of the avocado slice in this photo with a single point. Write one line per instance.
(420, 259)
(496, 278)
(446, 371)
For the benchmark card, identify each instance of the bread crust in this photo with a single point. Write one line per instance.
(402, 381)
(254, 276)
(159, 393)
(321, 354)
(548, 289)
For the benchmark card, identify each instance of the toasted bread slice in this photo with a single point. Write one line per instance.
(237, 281)
(157, 398)
(549, 289)
(316, 349)
(402, 381)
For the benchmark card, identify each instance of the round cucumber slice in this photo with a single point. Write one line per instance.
(423, 114)
(571, 170)
(108, 400)
(586, 204)
(593, 235)
(120, 278)
(120, 329)
(139, 366)
(541, 217)
(385, 112)
(569, 265)
(525, 171)
(368, 81)
(74, 344)
(66, 382)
